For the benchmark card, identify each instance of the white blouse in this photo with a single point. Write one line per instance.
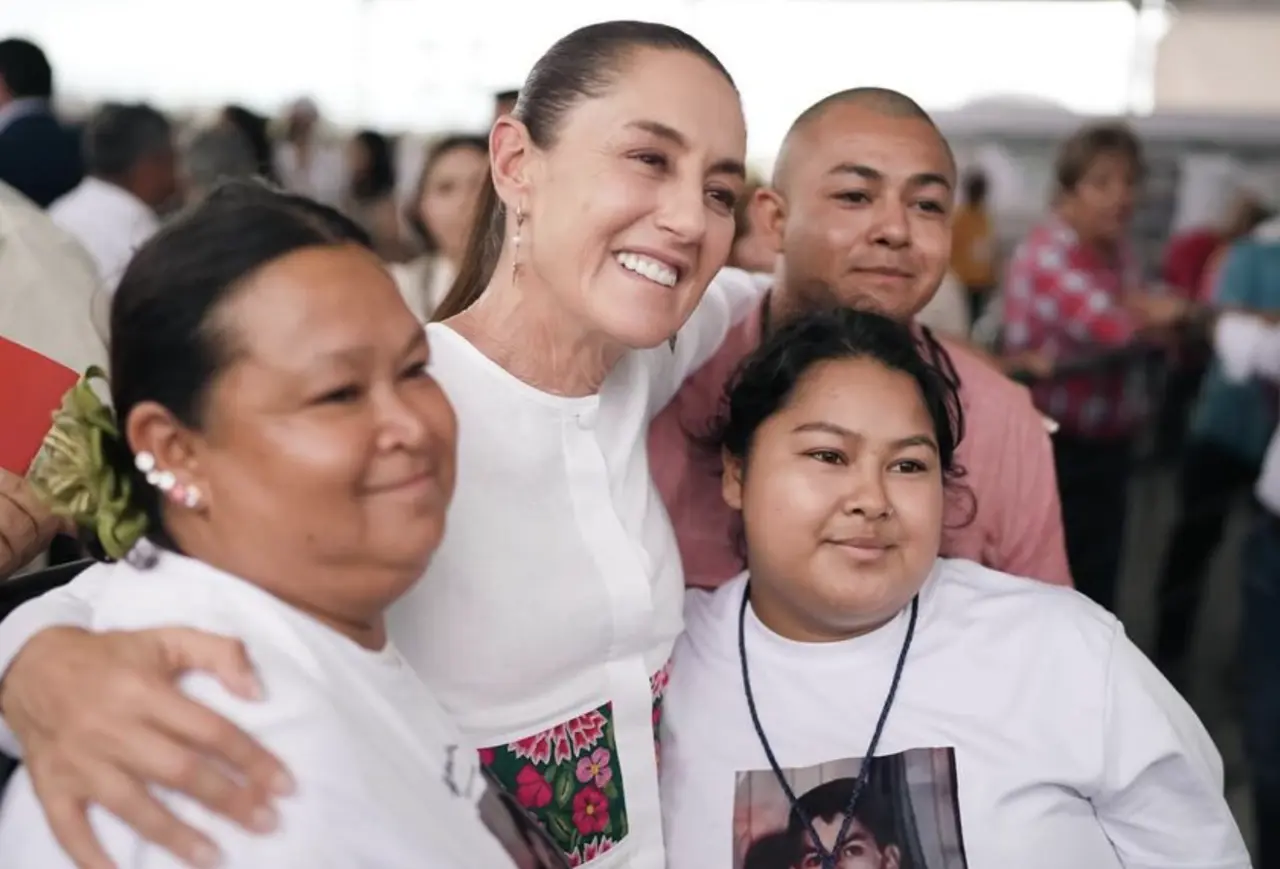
(548, 615)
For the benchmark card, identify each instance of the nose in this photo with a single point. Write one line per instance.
(400, 426)
(683, 211)
(891, 228)
(867, 495)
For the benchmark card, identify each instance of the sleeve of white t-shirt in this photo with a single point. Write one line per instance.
(1160, 798)
(68, 606)
(323, 825)
(733, 295)
(1247, 347)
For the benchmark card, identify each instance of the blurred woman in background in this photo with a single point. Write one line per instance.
(371, 192)
(440, 217)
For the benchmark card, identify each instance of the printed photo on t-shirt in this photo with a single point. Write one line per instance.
(518, 832)
(907, 816)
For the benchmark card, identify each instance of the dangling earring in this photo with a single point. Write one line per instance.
(184, 494)
(515, 242)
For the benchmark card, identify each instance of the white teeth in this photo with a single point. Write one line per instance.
(658, 272)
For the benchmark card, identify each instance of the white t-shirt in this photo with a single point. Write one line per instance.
(109, 221)
(1249, 347)
(1028, 731)
(383, 778)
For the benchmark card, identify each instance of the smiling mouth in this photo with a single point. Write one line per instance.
(647, 267)
(413, 483)
(894, 274)
(865, 550)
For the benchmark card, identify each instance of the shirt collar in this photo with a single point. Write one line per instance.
(20, 108)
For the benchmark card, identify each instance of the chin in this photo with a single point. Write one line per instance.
(641, 318)
(640, 329)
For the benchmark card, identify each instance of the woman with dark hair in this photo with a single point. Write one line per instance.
(371, 192)
(276, 468)
(255, 129)
(848, 637)
(441, 215)
(547, 617)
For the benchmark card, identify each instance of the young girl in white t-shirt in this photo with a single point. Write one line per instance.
(1009, 723)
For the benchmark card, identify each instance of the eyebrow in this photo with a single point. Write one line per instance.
(918, 440)
(920, 179)
(677, 138)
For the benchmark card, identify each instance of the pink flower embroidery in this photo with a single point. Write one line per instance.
(596, 848)
(532, 790)
(586, 730)
(596, 768)
(658, 681)
(487, 756)
(536, 748)
(574, 858)
(590, 811)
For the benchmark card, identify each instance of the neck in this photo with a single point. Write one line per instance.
(1106, 245)
(125, 185)
(518, 326)
(794, 624)
(284, 579)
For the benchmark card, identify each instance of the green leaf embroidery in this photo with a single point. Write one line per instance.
(560, 827)
(611, 790)
(565, 782)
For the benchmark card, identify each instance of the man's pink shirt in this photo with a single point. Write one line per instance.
(1015, 526)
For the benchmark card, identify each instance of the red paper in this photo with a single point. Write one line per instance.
(31, 389)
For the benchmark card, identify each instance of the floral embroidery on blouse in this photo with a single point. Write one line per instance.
(569, 780)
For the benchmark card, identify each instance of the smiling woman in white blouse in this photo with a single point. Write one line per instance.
(853, 700)
(547, 618)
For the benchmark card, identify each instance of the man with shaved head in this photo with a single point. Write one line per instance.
(860, 208)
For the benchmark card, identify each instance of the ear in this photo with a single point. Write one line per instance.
(731, 480)
(510, 153)
(152, 428)
(892, 857)
(768, 210)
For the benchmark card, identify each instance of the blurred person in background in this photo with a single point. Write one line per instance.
(1248, 348)
(1230, 428)
(754, 248)
(256, 130)
(1191, 267)
(440, 217)
(370, 199)
(133, 176)
(39, 157)
(973, 244)
(1073, 292)
(48, 286)
(214, 155)
(305, 162)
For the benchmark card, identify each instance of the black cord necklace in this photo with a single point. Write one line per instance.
(864, 773)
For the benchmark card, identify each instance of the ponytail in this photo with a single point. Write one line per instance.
(484, 246)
